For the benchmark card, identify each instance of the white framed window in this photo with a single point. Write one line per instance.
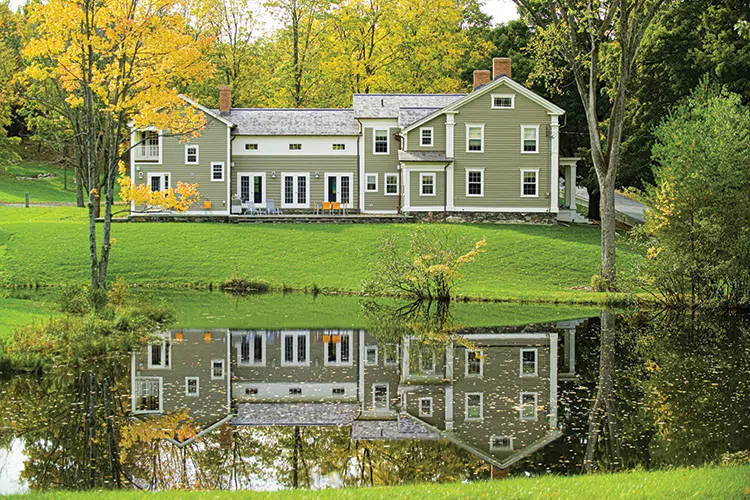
(503, 101)
(474, 406)
(217, 369)
(148, 395)
(251, 146)
(426, 359)
(371, 183)
(251, 350)
(501, 443)
(529, 363)
(148, 146)
(474, 363)
(474, 138)
(371, 355)
(529, 138)
(475, 182)
(380, 397)
(337, 346)
(295, 349)
(380, 141)
(390, 354)
(427, 184)
(530, 183)
(191, 154)
(295, 190)
(217, 171)
(339, 147)
(192, 386)
(528, 402)
(158, 181)
(425, 407)
(391, 185)
(160, 354)
(426, 136)
(295, 147)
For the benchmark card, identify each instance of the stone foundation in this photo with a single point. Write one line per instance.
(487, 217)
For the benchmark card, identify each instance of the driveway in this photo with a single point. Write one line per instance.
(623, 206)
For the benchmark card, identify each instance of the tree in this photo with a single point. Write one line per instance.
(100, 65)
(10, 64)
(598, 41)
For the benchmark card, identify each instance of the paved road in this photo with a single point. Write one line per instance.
(623, 205)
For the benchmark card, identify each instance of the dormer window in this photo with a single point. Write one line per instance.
(503, 101)
(425, 136)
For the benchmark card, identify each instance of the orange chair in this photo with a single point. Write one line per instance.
(326, 206)
(335, 207)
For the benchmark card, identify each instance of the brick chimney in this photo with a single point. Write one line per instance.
(225, 99)
(481, 77)
(501, 66)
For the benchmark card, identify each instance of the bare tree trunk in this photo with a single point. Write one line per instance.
(609, 230)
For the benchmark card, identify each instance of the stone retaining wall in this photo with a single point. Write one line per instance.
(487, 217)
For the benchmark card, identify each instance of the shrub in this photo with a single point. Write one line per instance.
(237, 285)
(599, 283)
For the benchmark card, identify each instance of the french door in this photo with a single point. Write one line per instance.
(295, 190)
(339, 188)
(158, 181)
(252, 187)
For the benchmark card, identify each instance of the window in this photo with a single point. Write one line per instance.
(339, 147)
(371, 185)
(371, 355)
(191, 154)
(501, 443)
(252, 188)
(147, 397)
(380, 396)
(426, 359)
(338, 391)
(503, 101)
(529, 183)
(159, 354)
(295, 391)
(474, 363)
(217, 171)
(390, 354)
(295, 190)
(474, 410)
(425, 407)
(192, 386)
(295, 147)
(391, 184)
(337, 347)
(530, 139)
(251, 391)
(252, 349)
(475, 182)
(380, 139)
(528, 405)
(427, 184)
(217, 369)
(425, 136)
(251, 147)
(295, 349)
(528, 363)
(474, 138)
(338, 187)
(158, 181)
(148, 147)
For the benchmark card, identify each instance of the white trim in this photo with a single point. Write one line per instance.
(424, 413)
(367, 350)
(197, 387)
(295, 189)
(439, 208)
(295, 336)
(197, 154)
(506, 336)
(536, 129)
(466, 364)
(424, 175)
(449, 187)
(213, 164)
(387, 140)
(481, 193)
(228, 171)
(339, 176)
(552, 381)
(474, 125)
(367, 183)
(449, 134)
(555, 161)
(361, 166)
(536, 363)
(223, 369)
(206, 110)
(421, 137)
(135, 395)
(252, 175)
(481, 407)
(338, 362)
(387, 396)
(252, 335)
(361, 387)
(536, 172)
(166, 354)
(165, 183)
(501, 448)
(512, 98)
(520, 405)
(380, 212)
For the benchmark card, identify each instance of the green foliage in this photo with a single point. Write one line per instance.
(697, 235)
(599, 283)
(238, 285)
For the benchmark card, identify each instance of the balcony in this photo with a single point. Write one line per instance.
(146, 152)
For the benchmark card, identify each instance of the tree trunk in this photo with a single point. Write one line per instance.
(79, 189)
(609, 230)
(594, 200)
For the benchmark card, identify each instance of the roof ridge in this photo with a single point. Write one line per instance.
(403, 94)
(292, 109)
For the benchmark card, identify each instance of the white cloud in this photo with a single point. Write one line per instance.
(501, 11)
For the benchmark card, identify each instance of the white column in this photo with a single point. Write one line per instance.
(361, 158)
(449, 136)
(449, 388)
(553, 381)
(571, 188)
(554, 190)
(449, 188)
(361, 367)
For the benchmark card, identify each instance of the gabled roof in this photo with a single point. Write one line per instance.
(211, 113)
(551, 108)
(295, 414)
(280, 121)
(407, 116)
(389, 105)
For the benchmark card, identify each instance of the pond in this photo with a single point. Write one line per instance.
(273, 392)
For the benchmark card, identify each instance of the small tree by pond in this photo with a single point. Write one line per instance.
(697, 235)
(428, 270)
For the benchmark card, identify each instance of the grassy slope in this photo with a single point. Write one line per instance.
(13, 190)
(526, 262)
(726, 482)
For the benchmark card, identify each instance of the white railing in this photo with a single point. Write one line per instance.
(146, 152)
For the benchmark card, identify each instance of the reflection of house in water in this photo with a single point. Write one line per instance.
(499, 402)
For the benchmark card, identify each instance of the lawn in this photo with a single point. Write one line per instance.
(709, 482)
(47, 190)
(49, 246)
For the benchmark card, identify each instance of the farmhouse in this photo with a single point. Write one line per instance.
(492, 152)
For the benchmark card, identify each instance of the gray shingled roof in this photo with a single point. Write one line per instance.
(295, 414)
(407, 116)
(256, 121)
(389, 105)
(403, 428)
(423, 156)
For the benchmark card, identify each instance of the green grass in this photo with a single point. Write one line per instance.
(709, 482)
(49, 246)
(16, 312)
(13, 190)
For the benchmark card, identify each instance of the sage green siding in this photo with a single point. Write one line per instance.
(298, 164)
(380, 164)
(502, 158)
(212, 147)
(438, 136)
(415, 197)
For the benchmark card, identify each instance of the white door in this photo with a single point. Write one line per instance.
(252, 187)
(339, 187)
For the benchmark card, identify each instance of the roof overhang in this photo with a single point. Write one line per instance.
(206, 110)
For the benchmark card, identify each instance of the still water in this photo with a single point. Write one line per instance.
(395, 393)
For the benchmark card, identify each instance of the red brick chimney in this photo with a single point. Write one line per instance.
(481, 77)
(501, 66)
(225, 99)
